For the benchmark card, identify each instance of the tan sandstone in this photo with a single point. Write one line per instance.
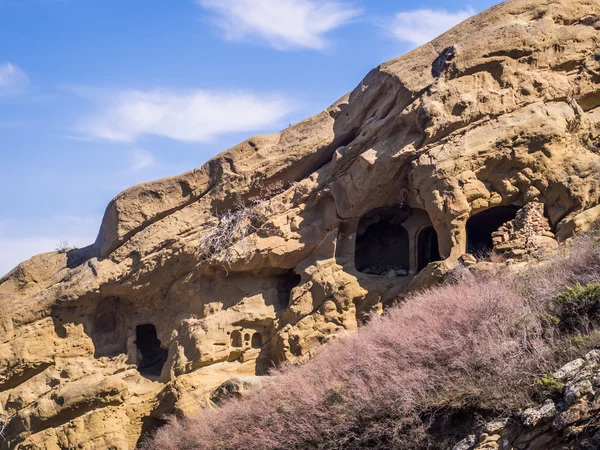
(337, 216)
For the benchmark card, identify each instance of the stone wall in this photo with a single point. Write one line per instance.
(528, 234)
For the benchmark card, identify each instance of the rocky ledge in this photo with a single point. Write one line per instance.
(569, 420)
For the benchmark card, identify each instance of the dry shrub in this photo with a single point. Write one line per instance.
(236, 224)
(496, 258)
(63, 246)
(477, 346)
(230, 227)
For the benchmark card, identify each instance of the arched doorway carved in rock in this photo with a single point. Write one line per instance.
(152, 356)
(382, 243)
(427, 247)
(481, 226)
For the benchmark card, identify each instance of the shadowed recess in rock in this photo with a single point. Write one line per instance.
(236, 339)
(382, 243)
(427, 247)
(153, 357)
(257, 340)
(481, 226)
(286, 283)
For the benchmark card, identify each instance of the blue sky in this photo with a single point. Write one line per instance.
(98, 95)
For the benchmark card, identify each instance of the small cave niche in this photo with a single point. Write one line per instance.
(481, 226)
(427, 247)
(247, 338)
(107, 331)
(285, 284)
(257, 341)
(153, 356)
(382, 243)
(106, 322)
(236, 339)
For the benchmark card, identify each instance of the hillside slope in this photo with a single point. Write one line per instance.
(476, 361)
(282, 243)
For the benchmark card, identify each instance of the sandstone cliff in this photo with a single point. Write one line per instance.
(283, 242)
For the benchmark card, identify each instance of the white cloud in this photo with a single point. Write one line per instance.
(281, 24)
(13, 81)
(20, 239)
(141, 159)
(195, 116)
(422, 25)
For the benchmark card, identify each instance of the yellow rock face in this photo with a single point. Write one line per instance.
(284, 242)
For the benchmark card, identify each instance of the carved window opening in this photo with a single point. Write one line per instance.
(427, 247)
(382, 243)
(236, 339)
(107, 331)
(151, 356)
(481, 226)
(257, 341)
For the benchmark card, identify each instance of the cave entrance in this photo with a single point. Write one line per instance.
(427, 247)
(481, 226)
(285, 284)
(382, 243)
(257, 341)
(153, 356)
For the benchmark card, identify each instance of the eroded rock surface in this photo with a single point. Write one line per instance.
(428, 156)
(568, 422)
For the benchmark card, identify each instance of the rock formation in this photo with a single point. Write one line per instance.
(279, 244)
(568, 421)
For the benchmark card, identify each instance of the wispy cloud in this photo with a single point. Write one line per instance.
(20, 239)
(420, 26)
(192, 116)
(141, 159)
(281, 24)
(13, 81)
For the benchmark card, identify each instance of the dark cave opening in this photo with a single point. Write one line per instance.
(286, 283)
(481, 226)
(257, 341)
(427, 247)
(153, 356)
(382, 244)
(236, 339)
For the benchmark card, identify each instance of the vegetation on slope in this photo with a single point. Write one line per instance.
(424, 373)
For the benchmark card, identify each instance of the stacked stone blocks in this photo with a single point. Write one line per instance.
(527, 235)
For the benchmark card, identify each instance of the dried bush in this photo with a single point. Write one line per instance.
(230, 227)
(236, 224)
(63, 246)
(476, 347)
